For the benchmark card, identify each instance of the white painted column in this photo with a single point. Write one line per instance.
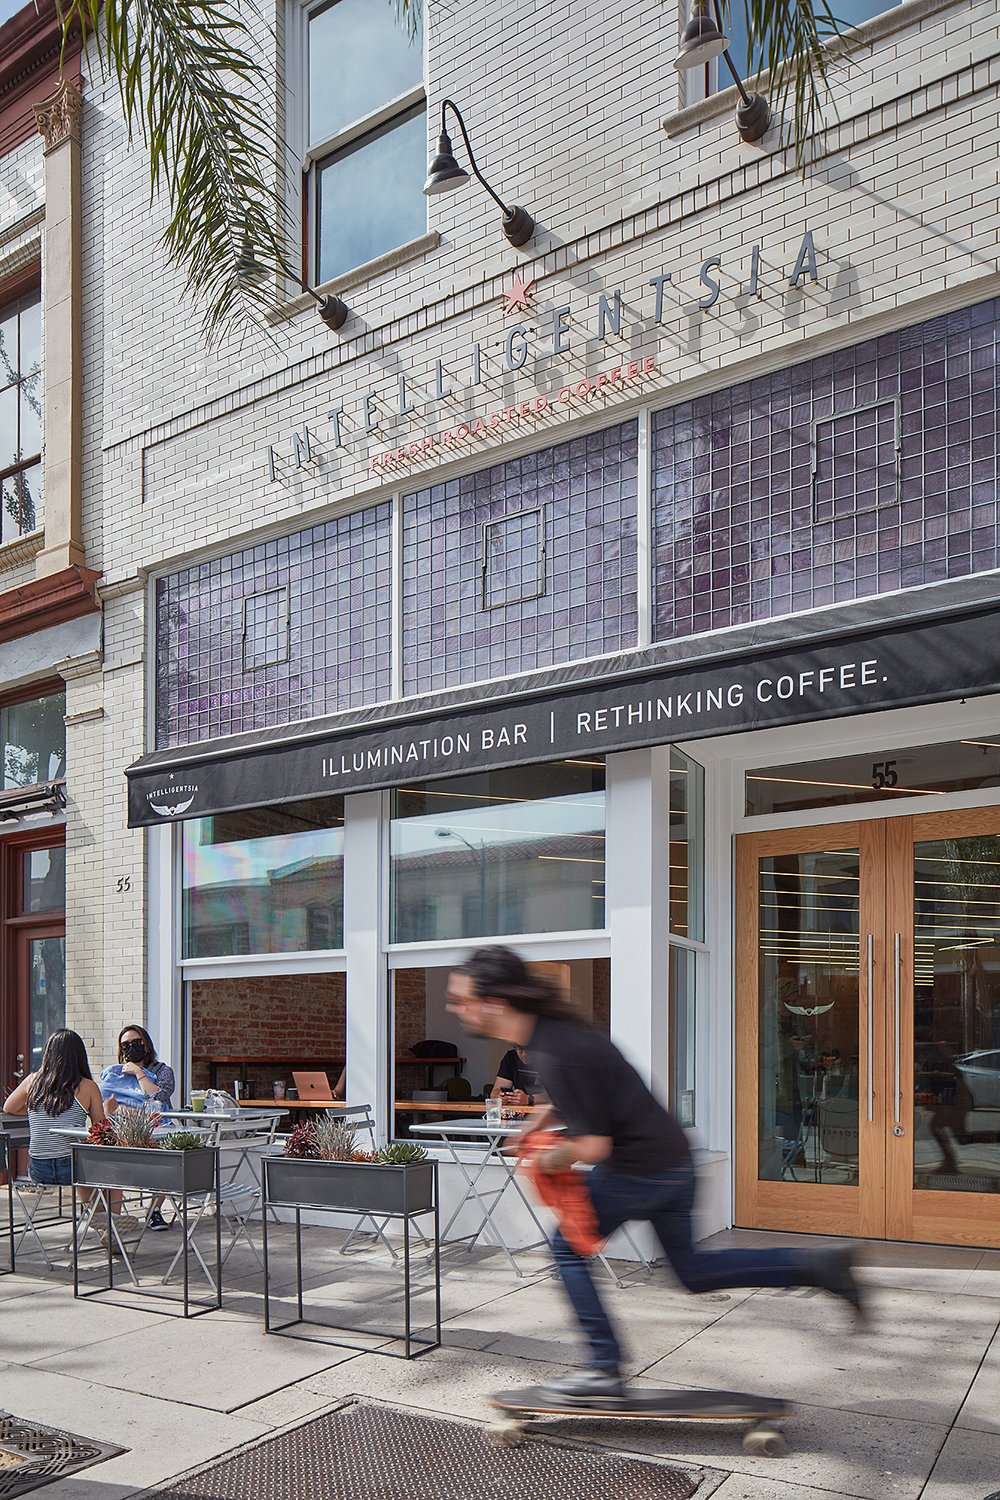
(164, 1012)
(367, 979)
(637, 891)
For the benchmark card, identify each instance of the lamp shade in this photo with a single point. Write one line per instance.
(444, 173)
(701, 40)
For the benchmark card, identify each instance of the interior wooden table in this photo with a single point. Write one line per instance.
(288, 1104)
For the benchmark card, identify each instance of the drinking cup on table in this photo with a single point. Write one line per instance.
(494, 1111)
(279, 1088)
(197, 1100)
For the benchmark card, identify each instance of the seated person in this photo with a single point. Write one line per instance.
(339, 1090)
(516, 1079)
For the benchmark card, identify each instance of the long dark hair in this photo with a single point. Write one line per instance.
(145, 1038)
(502, 973)
(64, 1066)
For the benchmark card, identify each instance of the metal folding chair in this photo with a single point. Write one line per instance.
(231, 1194)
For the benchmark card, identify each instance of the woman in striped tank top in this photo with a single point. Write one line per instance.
(61, 1094)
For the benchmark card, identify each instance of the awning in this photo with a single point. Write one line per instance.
(857, 671)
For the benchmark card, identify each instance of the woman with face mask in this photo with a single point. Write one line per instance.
(137, 1078)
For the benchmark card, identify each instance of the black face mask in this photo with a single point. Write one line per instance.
(134, 1052)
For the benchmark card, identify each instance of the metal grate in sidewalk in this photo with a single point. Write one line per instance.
(367, 1452)
(33, 1455)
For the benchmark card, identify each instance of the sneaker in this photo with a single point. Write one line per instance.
(157, 1221)
(588, 1387)
(833, 1270)
(128, 1226)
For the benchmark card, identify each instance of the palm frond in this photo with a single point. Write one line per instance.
(197, 85)
(789, 41)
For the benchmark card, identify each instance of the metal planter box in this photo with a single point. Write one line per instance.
(351, 1186)
(145, 1167)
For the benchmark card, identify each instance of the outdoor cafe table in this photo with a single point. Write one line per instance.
(486, 1139)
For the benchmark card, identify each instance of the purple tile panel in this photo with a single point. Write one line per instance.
(587, 492)
(864, 472)
(338, 581)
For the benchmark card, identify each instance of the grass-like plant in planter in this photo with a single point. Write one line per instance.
(322, 1167)
(122, 1152)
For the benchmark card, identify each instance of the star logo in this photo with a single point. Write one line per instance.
(517, 297)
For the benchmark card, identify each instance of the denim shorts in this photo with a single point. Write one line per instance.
(51, 1171)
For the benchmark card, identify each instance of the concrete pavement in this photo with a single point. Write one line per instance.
(909, 1411)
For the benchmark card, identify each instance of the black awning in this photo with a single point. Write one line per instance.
(569, 715)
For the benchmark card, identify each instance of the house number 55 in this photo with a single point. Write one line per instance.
(123, 884)
(884, 774)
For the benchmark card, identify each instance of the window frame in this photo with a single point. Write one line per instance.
(26, 283)
(314, 154)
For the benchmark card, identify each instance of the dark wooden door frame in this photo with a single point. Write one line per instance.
(15, 922)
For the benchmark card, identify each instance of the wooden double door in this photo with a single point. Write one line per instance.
(868, 1028)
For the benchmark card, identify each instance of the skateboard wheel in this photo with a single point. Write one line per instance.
(765, 1441)
(506, 1432)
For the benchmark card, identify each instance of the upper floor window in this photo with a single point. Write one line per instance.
(33, 739)
(366, 134)
(20, 416)
(714, 78)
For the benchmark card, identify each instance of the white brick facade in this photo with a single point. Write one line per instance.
(564, 103)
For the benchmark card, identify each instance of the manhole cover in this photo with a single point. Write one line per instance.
(32, 1455)
(364, 1452)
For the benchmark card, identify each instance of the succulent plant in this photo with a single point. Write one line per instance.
(400, 1154)
(302, 1140)
(335, 1140)
(181, 1140)
(101, 1134)
(133, 1127)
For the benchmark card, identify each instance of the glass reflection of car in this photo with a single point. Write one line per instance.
(981, 1071)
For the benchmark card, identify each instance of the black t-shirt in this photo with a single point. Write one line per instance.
(520, 1074)
(596, 1092)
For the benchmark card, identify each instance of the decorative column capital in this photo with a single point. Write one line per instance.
(58, 119)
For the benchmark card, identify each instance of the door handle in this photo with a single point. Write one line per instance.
(870, 1048)
(19, 1070)
(897, 1097)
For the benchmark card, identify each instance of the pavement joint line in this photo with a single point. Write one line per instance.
(953, 1424)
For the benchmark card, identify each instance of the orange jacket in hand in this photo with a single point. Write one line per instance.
(566, 1193)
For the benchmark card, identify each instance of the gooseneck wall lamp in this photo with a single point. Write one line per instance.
(703, 38)
(444, 174)
(333, 310)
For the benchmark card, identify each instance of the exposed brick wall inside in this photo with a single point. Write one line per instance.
(298, 1017)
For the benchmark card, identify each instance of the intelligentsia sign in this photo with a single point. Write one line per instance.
(553, 337)
(899, 666)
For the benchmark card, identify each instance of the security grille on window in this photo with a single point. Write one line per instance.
(855, 461)
(265, 629)
(514, 559)
(20, 417)
(366, 133)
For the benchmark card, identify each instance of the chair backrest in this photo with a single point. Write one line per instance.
(360, 1115)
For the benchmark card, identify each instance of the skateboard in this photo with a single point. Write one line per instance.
(763, 1415)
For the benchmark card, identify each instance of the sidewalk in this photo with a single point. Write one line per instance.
(910, 1411)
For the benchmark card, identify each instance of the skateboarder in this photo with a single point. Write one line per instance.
(642, 1168)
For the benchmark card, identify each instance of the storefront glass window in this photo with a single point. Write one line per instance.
(435, 1062)
(34, 741)
(276, 1024)
(888, 775)
(687, 846)
(268, 880)
(683, 963)
(503, 852)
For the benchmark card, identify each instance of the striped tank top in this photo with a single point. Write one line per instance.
(44, 1146)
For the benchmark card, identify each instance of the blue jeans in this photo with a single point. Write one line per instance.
(665, 1201)
(51, 1171)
